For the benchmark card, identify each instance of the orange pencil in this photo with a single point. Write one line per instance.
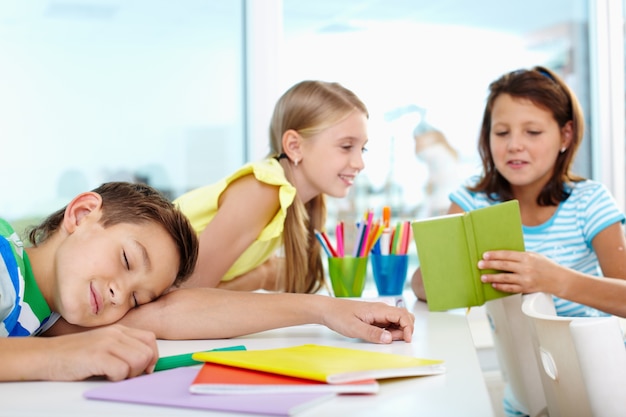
(386, 216)
(373, 236)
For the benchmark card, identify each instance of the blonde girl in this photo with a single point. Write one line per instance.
(317, 135)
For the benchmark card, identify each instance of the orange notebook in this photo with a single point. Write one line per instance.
(223, 379)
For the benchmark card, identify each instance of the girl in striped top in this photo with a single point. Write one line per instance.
(532, 127)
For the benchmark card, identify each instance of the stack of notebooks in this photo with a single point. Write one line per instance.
(282, 381)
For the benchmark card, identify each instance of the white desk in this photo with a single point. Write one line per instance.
(461, 391)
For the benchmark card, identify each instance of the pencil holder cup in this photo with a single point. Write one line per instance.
(347, 275)
(389, 273)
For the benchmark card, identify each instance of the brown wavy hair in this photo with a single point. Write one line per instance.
(124, 202)
(308, 107)
(547, 90)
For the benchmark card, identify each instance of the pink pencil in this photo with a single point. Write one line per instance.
(339, 234)
(406, 233)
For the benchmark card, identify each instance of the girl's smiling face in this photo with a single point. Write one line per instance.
(332, 159)
(101, 273)
(525, 141)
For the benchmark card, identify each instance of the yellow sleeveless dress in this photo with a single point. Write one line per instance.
(200, 206)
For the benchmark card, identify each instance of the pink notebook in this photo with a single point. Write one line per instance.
(171, 388)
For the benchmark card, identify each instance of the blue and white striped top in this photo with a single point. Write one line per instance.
(566, 237)
(23, 309)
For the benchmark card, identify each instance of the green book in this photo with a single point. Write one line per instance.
(449, 248)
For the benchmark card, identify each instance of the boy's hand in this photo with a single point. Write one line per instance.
(373, 322)
(115, 352)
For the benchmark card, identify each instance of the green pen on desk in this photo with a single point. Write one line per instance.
(176, 361)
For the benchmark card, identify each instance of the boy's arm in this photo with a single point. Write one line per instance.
(115, 352)
(209, 313)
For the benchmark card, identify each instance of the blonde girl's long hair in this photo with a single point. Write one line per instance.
(308, 107)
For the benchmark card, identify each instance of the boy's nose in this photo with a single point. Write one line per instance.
(116, 295)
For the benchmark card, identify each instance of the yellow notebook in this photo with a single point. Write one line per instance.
(329, 364)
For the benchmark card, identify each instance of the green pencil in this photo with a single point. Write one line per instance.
(396, 237)
(176, 361)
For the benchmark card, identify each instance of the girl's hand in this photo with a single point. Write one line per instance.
(524, 272)
(373, 322)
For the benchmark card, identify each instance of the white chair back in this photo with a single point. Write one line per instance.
(516, 354)
(582, 361)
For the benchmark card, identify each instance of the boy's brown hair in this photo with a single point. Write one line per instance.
(124, 202)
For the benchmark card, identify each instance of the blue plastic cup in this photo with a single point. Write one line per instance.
(389, 273)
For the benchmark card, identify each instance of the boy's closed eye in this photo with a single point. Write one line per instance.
(125, 260)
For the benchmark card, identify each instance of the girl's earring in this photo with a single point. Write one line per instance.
(563, 149)
(295, 163)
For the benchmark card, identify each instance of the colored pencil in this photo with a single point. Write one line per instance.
(339, 235)
(320, 239)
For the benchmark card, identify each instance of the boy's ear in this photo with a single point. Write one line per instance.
(81, 206)
(292, 145)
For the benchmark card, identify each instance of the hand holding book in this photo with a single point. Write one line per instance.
(450, 247)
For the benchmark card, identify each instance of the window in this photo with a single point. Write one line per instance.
(164, 91)
(415, 62)
(117, 90)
